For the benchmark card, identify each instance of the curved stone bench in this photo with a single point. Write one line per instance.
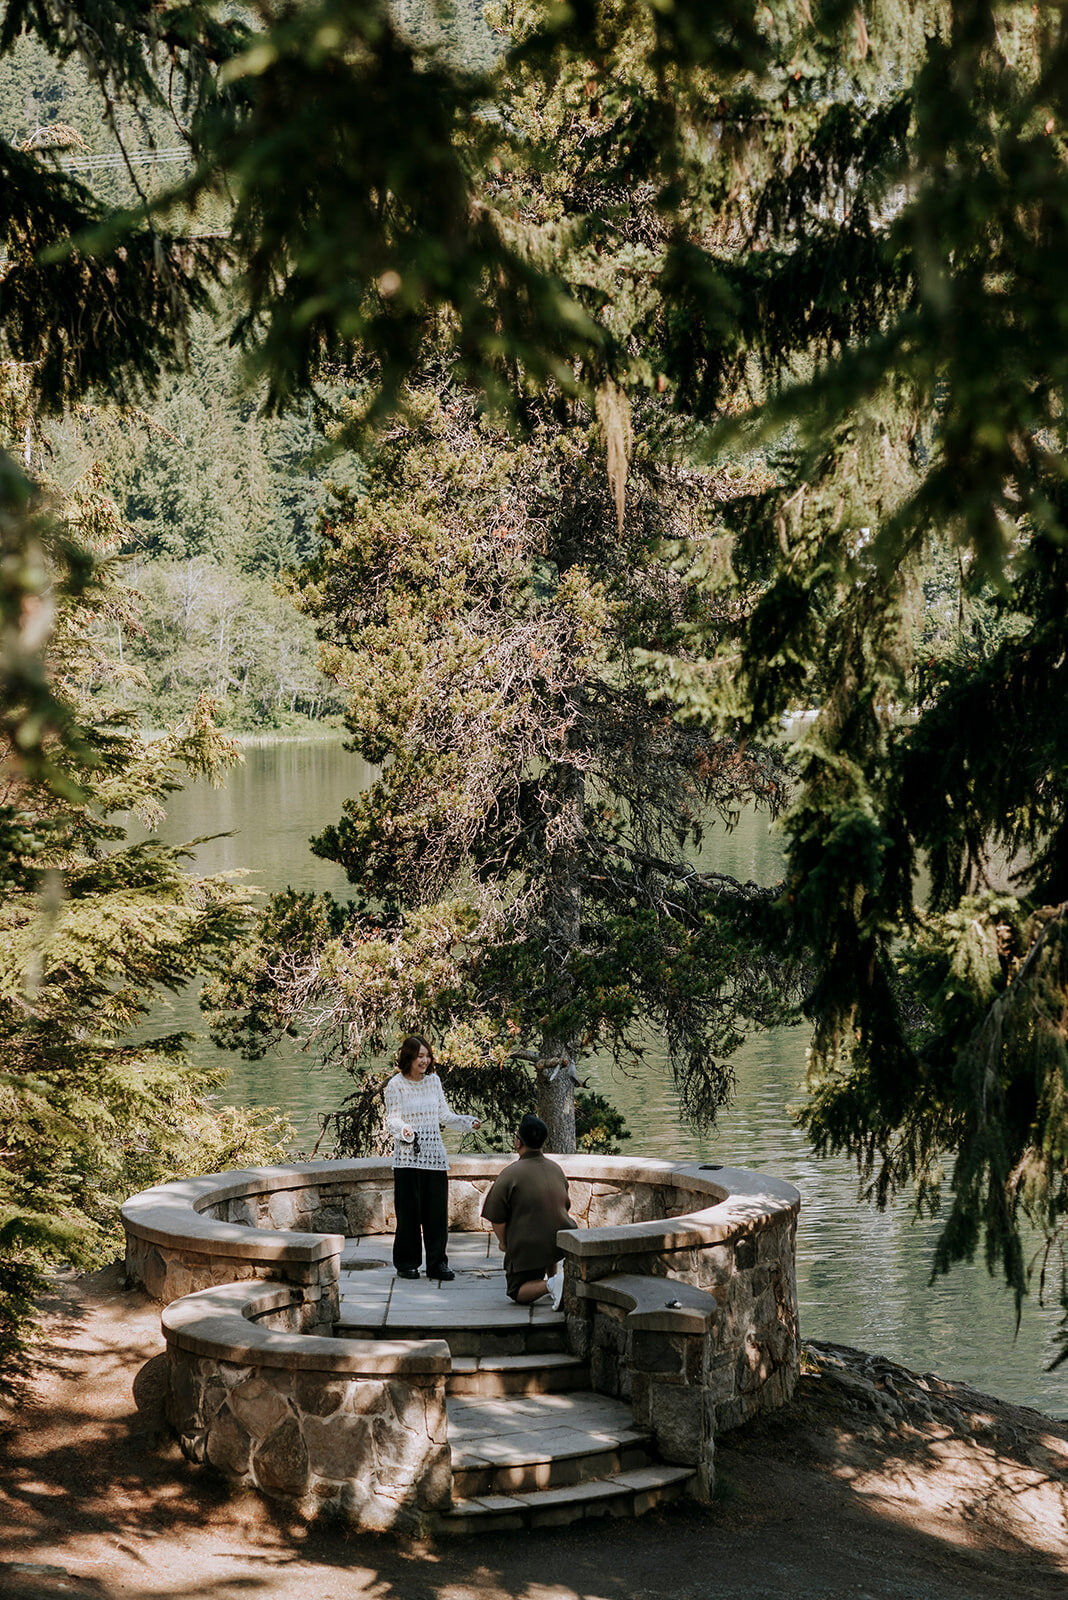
(680, 1292)
(200, 1232)
(346, 1426)
(257, 1221)
(734, 1241)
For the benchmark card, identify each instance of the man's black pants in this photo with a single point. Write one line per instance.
(422, 1204)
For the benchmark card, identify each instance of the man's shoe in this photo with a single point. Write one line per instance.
(555, 1286)
(444, 1276)
(407, 1272)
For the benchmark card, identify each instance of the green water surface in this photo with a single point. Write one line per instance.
(862, 1275)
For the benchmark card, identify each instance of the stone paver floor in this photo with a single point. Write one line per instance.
(534, 1427)
(373, 1297)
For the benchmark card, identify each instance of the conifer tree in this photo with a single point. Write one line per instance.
(525, 871)
(853, 219)
(919, 419)
(95, 929)
(864, 240)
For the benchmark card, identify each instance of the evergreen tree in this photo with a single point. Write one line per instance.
(854, 219)
(927, 430)
(94, 930)
(524, 872)
(860, 231)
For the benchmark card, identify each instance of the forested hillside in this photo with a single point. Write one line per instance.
(215, 501)
(216, 504)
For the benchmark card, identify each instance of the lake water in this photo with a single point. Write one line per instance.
(862, 1274)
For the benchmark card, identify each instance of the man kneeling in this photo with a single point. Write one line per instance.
(527, 1207)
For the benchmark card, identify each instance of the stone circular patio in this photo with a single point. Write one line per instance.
(300, 1364)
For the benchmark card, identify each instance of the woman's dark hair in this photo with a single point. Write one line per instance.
(410, 1049)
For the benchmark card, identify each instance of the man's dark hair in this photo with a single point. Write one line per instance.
(532, 1131)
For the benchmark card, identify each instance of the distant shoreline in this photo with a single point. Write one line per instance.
(305, 736)
(314, 734)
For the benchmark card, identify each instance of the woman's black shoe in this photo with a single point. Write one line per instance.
(444, 1276)
(407, 1272)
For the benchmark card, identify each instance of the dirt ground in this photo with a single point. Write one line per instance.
(874, 1484)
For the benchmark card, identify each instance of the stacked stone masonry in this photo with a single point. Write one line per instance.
(745, 1360)
(680, 1292)
(329, 1425)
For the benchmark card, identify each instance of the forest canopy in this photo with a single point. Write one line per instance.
(827, 241)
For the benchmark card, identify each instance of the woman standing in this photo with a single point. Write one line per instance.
(416, 1110)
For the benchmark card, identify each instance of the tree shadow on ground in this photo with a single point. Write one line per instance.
(835, 1496)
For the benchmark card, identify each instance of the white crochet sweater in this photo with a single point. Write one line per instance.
(422, 1108)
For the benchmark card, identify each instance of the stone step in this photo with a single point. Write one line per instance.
(554, 1372)
(507, 1338)
(627, 1494)
(515, 1443)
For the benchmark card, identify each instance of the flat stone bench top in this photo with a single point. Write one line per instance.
(658, 1305)
(221, 1323)
(174, 1214)
(372, 1296)
(737, 1198)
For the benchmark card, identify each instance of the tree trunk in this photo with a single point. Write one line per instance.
(556, 1089)
(556, 1099)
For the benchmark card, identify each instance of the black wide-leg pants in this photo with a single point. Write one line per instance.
(422, 1204)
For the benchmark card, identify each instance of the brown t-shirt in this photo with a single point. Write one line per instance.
(530, 1197)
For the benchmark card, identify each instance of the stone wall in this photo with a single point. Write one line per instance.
(743, 1263)
(338, 1206)
(178, 1240)
(651, 1341)
(729, 1232)
(756, 1360)
(286, 1222)
(342, 1427)
(358, 1204)
(169, 1272)
(679, 1290)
